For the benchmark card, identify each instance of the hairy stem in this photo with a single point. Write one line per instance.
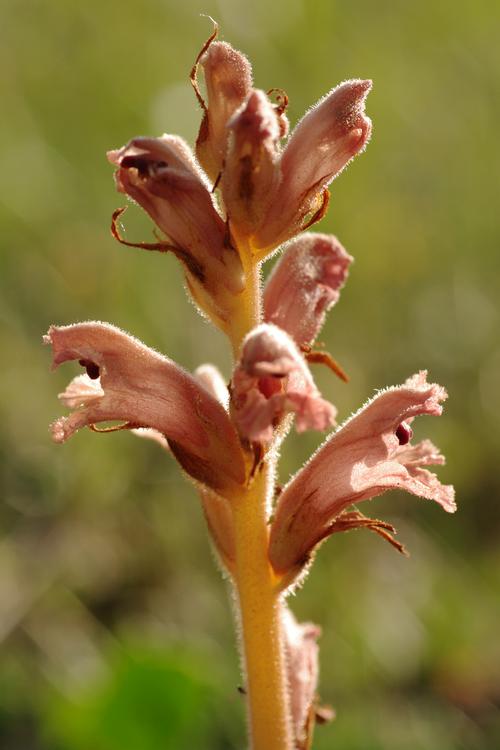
(248, 313)
(260, 622)
(258, 601)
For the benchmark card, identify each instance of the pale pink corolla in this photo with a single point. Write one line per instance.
(216, 508)
(142, 388)
(251, 174)
(211, 378)
(81, 391)
(219, 518)
(323, 143)
(228, 81)
(305, 284)
(147, 433)
(271, 380)
(369, 454)
(162, 176)
(302, 660)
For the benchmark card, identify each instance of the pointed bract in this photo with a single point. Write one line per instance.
(228, 81)
(144, 389)
(305, 284)
(251, 171)
(271, 380)
(363, 459)
(323, 143)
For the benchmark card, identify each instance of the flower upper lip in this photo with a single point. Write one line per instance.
(141, 387)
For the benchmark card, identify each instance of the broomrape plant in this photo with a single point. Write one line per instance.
(249, 188)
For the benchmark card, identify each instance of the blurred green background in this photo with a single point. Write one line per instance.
(115, 626)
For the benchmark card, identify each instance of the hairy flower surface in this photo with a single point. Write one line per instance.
(228, 82)
(305, 284)
(251, 174)
(271, 380)
(302, 655)
(323, 143)
(368, 455)
(162, 176)
(129, 382)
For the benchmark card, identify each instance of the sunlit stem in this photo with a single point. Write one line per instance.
(259, 603)
(248, 313)
(260, 622)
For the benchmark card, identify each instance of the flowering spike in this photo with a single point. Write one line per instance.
(271, 380)
(322, 144)
(251, 171)
(305, 284)
(144, 389)
(255, 194)
(363, 459)
(228, 81)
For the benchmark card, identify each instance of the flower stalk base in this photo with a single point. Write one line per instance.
(260, 621)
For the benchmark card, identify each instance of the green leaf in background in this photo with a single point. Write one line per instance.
(149, 700)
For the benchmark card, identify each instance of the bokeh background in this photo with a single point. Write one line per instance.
(115, 625)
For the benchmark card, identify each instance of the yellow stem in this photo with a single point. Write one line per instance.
(260, 621)
(248, 312)
(258, 600)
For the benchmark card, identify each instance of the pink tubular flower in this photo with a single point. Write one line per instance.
(128, 381)
(323, 143)
(228, 81)
(302, 657)
(271, 380)
(369, 454)
(163, 177)
(305, 284)
(251, 174)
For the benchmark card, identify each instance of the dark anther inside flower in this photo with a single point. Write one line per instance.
(91, 368)
(143, 166)
(404, 433)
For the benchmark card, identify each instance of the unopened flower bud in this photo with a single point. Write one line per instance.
(322, 144)
(251, 172)
(305, 284)
(228, 81)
